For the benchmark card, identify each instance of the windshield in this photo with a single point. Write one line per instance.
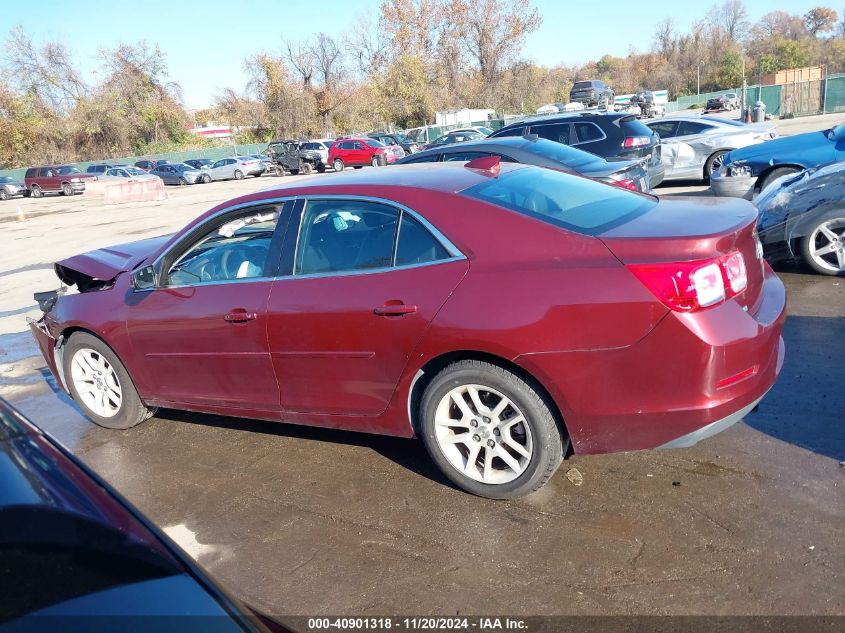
(485, 130)
(574, 203)
(134, 171)
(374, 143)
(5, 179)
(67, 169)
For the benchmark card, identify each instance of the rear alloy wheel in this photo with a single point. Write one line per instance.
(714, 164)
(338, 164)
(239, 175)
(4, 195)
(824, 248)
(100, 384)
(775, 174)
(490, 431)
(36, 192)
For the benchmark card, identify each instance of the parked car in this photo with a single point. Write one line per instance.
(498, 311)
(357, 152)
(101, 168)
(200, 163)
(316, 153)
(267, 164)
(727, 101)
(74, 550)
(126, 173)
(802, 216)
(630, 174)
(612, 136)
(10, 188)
(694, 147)
(148, 165)
(235, 167)
(750, 169)
(408, 145)
(64, 179)
(455, 137)
(290, 155)
(180, 174)
(593, 92)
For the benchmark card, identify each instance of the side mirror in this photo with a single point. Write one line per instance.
(838, 133)
(144, 278)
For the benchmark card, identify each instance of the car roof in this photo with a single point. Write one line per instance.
(568, 116)
(692, 118)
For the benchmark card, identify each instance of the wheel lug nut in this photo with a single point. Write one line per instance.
(486, 420)
(491, 443)
(473, 423)
(476, 438)
(496, 432)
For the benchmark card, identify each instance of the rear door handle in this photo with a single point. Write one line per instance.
(399, 309)
(239, 315)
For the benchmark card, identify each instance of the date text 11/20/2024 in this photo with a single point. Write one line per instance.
(417, 624)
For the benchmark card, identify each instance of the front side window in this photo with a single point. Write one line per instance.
(664, 129)
(557, 132)
(350, 235)
(237, 249)
(514, 131)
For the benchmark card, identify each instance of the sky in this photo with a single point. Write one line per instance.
(206, 42)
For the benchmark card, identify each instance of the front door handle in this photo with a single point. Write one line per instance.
(239, 315)
(398, 309)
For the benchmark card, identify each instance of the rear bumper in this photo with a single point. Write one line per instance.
(664, 390)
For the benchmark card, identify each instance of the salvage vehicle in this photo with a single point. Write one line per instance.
(235, 167)
(728, 101)
(357, 152)
(64, 179)
(455, 136)
(126, 173)
(532, 150)
(593, 92)
(200, 163)
(180, 174)
(150, 164)
(749, 170)
(316, 154)
(10, 188)
(694, 147)
(612, 136)
(802, 216)
(501, 312)
(75, 553)
(387, 138)
(289, 155)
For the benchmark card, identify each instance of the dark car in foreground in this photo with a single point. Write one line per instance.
(802, 216)
(500, 312)
(751, 169)
(629, 174)
(75, 555)
(609, 135)
(593, 92)
(11, 188)
(64, 179)
(180, 174)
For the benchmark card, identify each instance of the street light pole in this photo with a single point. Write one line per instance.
(698, 81)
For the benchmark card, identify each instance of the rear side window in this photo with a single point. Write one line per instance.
(30, 173)
(427, 158)
(462, 156)
(578, 204)
(666, 129)
(692, 127)
(588, 132)
(557, 132)
(416, 245)
(514, 131)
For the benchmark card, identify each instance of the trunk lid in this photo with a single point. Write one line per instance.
(679, 230)
(104, 264)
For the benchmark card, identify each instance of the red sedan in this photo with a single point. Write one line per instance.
(500, 312)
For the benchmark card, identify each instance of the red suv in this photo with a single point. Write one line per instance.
(357, 152)
(65, 179)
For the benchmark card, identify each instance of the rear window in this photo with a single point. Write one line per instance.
(578, 204)
(633, 127)
(374, 143)
(581, 85)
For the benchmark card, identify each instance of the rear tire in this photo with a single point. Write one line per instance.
(100, 384)
(774, 175)
(35, 191)
(182, 182)
(815, 247)
(500, 454)
(306, 168)
(338, 164)
(3, 194)
(321, 168)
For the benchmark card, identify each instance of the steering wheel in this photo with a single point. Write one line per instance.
(231, 260)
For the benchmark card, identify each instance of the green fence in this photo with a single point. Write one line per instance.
(213, 153)
(834, 94)
(683, 103)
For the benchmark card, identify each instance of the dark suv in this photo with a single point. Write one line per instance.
(593, 92)
(65, 179)
(609, 135)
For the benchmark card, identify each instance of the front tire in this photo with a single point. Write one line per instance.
(183, 182)
(775, 174)
(100, 384)
(823, 249)
(713, 164)
(239, 175)
(491, 432)
(306, 169)
(206, 179)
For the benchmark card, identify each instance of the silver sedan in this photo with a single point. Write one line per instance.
(692, 148)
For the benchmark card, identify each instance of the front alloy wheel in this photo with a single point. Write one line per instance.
(96, 382)
(490, 431)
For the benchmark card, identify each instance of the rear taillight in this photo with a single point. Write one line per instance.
(626, 183)
(635, 141)
(691, 286)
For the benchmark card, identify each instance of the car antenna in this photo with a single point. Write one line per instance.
(486, 165)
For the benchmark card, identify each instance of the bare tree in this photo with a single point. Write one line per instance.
(664, 36)
(820, 20)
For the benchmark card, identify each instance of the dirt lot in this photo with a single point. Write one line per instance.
(309, 521)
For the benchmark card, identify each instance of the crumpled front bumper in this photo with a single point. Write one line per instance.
(51, 349)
